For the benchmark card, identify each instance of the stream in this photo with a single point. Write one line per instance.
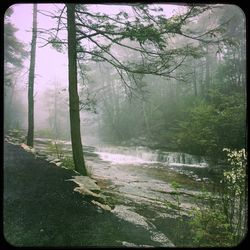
(138, 181)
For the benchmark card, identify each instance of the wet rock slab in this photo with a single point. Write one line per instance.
(41, 208)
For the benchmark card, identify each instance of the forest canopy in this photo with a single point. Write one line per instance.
(174, 81)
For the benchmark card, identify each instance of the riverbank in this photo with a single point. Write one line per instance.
(137, 184)
(41, 208)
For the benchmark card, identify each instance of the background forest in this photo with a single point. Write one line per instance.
(199, 110)
(163, 85)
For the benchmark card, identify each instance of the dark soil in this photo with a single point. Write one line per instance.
(41, 208)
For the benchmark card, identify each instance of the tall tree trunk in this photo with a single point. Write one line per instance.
(73, 94)
(55, 111)
(194, 79)
(201, 79)
(8, 104)
(145, 118)
(207, 81)
(30, 136)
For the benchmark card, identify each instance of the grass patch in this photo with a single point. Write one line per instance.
(68, 162)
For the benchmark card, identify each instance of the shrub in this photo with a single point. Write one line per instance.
(68, 162)
(221, 220)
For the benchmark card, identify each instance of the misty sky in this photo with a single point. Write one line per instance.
(50, 64)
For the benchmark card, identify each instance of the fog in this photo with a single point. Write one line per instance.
(118, 107)
(161, 95)
(52, 66)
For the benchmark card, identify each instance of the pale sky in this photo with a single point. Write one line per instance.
(50, 64)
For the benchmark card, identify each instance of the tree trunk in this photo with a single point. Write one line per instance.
(30, 136)
(201, 79)
(146, 122)
(207, 81)
(195, 84)
(73, 94)
(8, 101)
(55, 111)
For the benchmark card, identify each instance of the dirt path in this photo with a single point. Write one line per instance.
(41, 208)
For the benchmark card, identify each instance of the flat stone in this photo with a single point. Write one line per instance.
(85, 191)
(56, 160)
(103, 206)
(87, 182)
(28, 148)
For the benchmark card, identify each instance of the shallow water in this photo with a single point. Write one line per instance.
(137, 182)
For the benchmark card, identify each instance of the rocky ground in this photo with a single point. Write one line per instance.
(41, 208)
